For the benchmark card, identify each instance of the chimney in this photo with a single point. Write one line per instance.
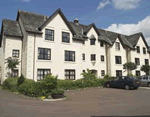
(76, 21)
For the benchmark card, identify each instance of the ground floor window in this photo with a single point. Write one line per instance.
(69, 74)
(102, 72)
(137, 73)
(118, 73)
(14, 73)
(41, 73)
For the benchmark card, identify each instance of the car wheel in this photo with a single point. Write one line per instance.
(108, 85)
(127, 87)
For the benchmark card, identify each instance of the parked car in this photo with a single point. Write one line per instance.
(145, 80)
(125, 82)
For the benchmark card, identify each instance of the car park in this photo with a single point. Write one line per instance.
(125, 82)
(145, 80)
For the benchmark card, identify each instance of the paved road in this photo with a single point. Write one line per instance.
(85, 103)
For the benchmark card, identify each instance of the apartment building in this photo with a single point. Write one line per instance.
(55, 45)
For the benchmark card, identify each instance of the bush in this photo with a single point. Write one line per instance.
(88, 75)
(27, 87)
(38, 89)
(106, 76)
(65, 84)
(49, 83)
(10, 84)
(21, 79)
(57, 91)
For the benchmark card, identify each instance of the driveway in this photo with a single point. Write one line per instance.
(86, 103)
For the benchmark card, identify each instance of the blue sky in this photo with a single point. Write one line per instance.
(123, 16)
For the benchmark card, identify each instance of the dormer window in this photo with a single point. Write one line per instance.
(117, 46)
(138, 49)
(92, 42)
(144, 50)
(102, 44)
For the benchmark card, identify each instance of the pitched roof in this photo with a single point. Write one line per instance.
(11, 28)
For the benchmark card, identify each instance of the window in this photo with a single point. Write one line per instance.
(41, 73)
(69, 55)
(144, 50)
(83, 42)
(117, 46)
(137, 73)
(102, 57)
(83, 56)
(118, 59)
(146, 61)
(69, 74)
(137, 61)
(44, 54)
(14, 73)
(92, 41)
(118, 73)
(83, 71)
(138, 49)
(102, 44)
(15, 53)
(93, 57)
(49, 34)
(102, 72)
(65, 37)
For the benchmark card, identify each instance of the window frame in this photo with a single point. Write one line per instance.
(69, 75)
(102, 58)
(138, 49)
(102, 44)
(92, 41)
(117, 44)
(147, 63)
(137, 71)
(102, 72)
(118, 62)
(118, 74)
(49, 34)
(43, 70)
(15, 50)
(70, 55)
(83, 56)
(144, 50)
(93, 57)
(68, 41)
(137, 61)
(44, 55)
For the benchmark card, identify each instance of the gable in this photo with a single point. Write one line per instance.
(92, 32)
(118, 40)
(141, 42)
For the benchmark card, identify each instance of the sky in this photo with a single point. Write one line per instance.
(122, 16)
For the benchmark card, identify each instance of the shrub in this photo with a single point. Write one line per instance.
(65, 84)
(38, 89)
(57, 91)
(10, 84)
(106, 76)
(88, 75)
(27, 87)
(49, 83)
(21, 80)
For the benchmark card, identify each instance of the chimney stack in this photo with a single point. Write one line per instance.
(76, 21)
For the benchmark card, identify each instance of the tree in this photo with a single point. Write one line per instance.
(12, 63)
(145, 68)
(129, 66)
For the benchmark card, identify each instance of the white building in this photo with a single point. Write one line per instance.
(53, 44)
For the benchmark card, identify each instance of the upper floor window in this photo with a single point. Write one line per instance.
(83, 56)
(117, 46)
(146, 61)
(49, 34)
(70, 74)
(144, 50)
(93, 57)
(15, 53)
(118, 59)
(138, 49)
(65, 37)
(69, 55)
(92, 41)
(102, 44)
(102, 58)
(137, 61)
(44, 53)
(41, 73)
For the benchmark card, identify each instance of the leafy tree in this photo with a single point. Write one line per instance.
(145, 68)
(12, 63)
(129, 66)
(88, 75)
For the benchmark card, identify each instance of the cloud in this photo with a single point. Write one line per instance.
(25, 0)
(103, 4)
(128, 29)
(120, 4)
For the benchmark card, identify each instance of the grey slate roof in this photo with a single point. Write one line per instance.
(11, 28)
(32, 23)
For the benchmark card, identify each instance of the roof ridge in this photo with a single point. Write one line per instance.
(32, 13)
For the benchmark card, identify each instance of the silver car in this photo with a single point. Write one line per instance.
(145, 80)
